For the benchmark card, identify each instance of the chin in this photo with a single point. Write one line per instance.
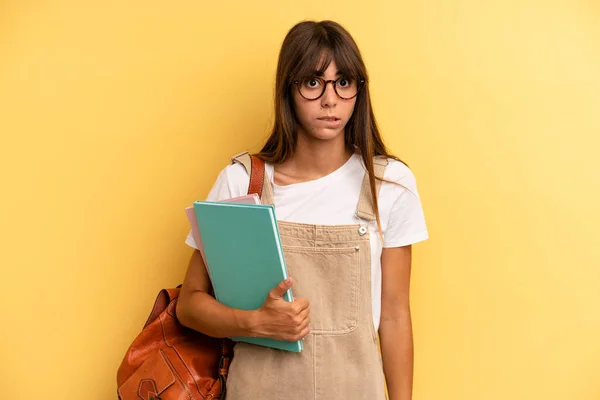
(327, 134)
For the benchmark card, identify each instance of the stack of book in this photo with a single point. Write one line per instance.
(241, 247)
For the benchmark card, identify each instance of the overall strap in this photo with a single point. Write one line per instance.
(259, 181)
(365, 209)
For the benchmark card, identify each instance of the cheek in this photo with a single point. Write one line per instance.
(350, 108)
(304, 110)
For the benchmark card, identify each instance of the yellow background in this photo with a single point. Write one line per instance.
(114, 116)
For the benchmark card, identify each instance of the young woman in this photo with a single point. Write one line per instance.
(348, 214)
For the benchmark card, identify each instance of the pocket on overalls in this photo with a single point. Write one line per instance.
(329, 278)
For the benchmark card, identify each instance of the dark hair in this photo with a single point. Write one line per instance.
(311, 46)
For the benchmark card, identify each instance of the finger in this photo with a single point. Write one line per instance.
(301, 305)
(305, 322)
(300, 324)
(298, 319)
(301, 335)
(278, 291)
(303, 315)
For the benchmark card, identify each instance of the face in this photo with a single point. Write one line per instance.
(325, 117)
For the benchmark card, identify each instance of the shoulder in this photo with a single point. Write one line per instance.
(232, 181)
(398, 172)
(403, 217)
(233, 174)
(236, 172)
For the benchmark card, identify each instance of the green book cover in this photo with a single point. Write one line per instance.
(244, 256)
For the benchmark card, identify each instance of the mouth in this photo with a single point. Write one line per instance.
(329, 119)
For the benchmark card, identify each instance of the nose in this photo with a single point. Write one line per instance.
(329, 98)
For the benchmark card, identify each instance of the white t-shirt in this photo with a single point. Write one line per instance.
(333, 200)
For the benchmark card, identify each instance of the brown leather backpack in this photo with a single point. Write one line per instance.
(168, 361)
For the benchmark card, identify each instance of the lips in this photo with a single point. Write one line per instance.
(330, 119)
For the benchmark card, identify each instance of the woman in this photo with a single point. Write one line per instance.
(348, 214)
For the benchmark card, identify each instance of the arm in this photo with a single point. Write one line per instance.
(395, 329)
(216, 320)
(198, 309)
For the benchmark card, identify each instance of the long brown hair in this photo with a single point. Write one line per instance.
(311, 46)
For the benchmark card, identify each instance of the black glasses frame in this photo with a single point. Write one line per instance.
(360, 84)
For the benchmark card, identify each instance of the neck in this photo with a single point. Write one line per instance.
(316, 158)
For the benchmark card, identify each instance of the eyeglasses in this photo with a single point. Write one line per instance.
(313, 87)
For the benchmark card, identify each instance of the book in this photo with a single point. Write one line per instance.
(191, 215)
(244, 257)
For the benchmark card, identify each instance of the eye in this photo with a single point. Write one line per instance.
(343, 82)
(312, 83)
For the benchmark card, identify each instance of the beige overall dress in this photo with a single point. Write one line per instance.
(332, 269)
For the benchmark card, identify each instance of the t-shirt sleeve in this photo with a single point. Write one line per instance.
(232, 181)
(406, 224)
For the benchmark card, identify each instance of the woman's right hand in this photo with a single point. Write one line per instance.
(282, 320)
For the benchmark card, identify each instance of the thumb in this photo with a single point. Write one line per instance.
(279, 290)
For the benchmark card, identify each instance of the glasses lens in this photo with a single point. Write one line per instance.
(311, 88)
(346, 88)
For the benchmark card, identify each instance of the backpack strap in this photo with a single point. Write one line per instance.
(365, 209)
(255, 167)
(164, 298)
